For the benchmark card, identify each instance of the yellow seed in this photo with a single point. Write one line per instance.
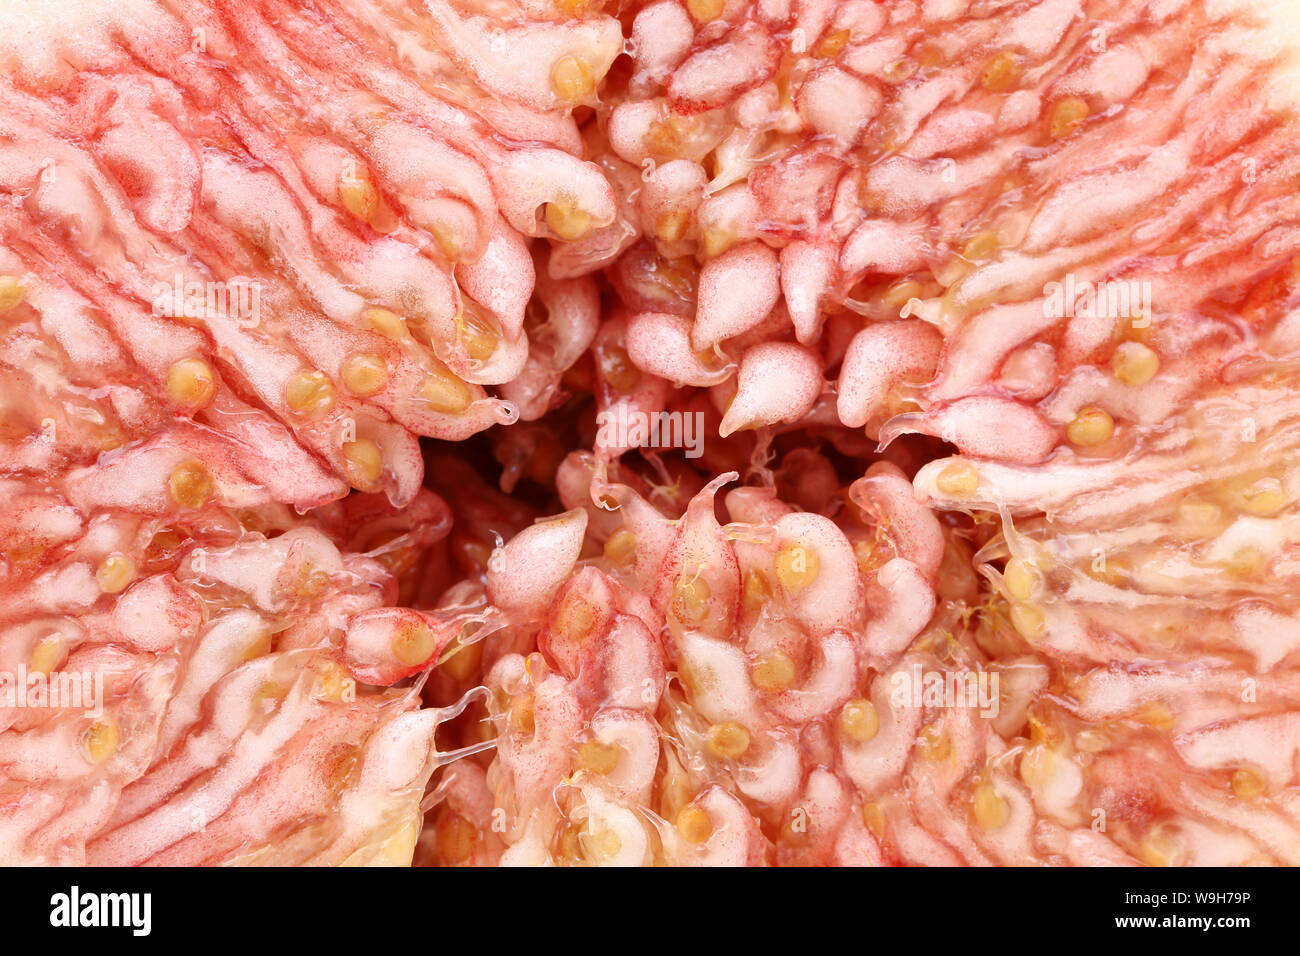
(523, 718)
(1037, 767)
(398, 848)
(455, 838)
(694, 825)
(1155, 715)
(473, 555)
(616, 368)
(728, 740)
(162, 549)
(1021, 579)
(1091, 741)
(774, 670)
(859, 720)
(571, 79)
(191, 383)
(190, 484)
(1247, 784)
(1000, 72)
(1091, 426)
(794, 832)
(1161, 848)
(572, 8)
(933, 743)
(463, 663)
(705, 11)
(101, 740)
(958, 479)
(901, 291)
(620, 549)
(691, 600)
(108, 438)
(566, 220)
(873, 815)
(606, 844)
(671, 226)
(332, 677)
(309, 392)
(667, 136)
(832, 44)
(446, 392)
(47, 654)
(115, 573)
(716, 241)
(413, 644)
(341, 767)
(364, 373)
(1264, 498)
(1044, 730)
(599, 758)
(757, 591)
(990, 810)
(675, 792)
(574, 618)
(797, 567)
(311, 581)
(11, 292)
(387, 323)
(1134, 363)
(1067, 116)
(870, 556)
(1244, 562)
(478, 336)
(450, 238)
(571, 846)
(258, 646)
(931, 54)
(980, 246)
(364, 461)
(1028, 620)
(897, 71)
(358, 195)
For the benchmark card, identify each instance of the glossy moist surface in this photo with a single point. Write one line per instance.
(965, 534)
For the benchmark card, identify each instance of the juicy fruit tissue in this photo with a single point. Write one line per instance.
(573, 432)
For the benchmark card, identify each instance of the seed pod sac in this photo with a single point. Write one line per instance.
(806, 271)
(712, 76)
(639, 547)
(580, 614)
(902, 601)
(879, 359)
(829, 684)
(817, 571)
(734, 837)
(737, 291)
(886, 495)
(699, 580)
(386, 645)
(778, 382)
(984, 427)
(524, 574)
(660, 343)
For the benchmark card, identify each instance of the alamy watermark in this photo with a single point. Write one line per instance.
(917, 687)
(1112, 299)
(61, 690)
(74, 908)
(240, 299)
(623, 427)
